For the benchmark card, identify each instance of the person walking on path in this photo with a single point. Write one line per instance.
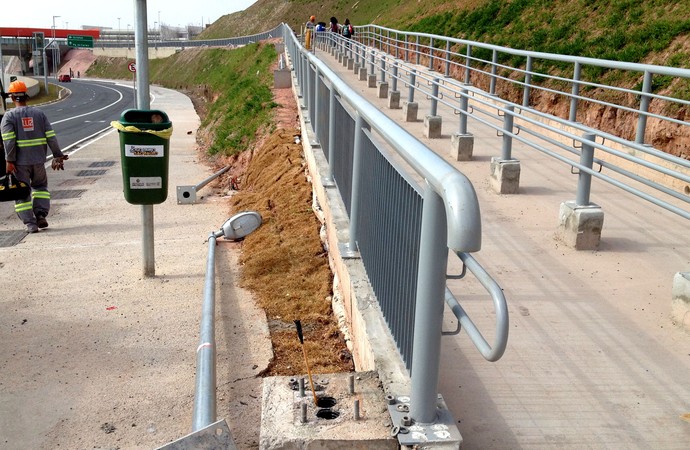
(27, 134)
(309, 32)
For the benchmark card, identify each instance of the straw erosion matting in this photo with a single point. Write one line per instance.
(284, 262)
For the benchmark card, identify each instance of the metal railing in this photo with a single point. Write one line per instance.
(407, 207)
(425, 65)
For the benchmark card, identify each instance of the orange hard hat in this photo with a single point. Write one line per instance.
(17, 87)
(312, 18)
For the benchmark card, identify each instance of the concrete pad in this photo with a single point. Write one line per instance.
(432, 127)
(394, 100)
(461, 146)
(371, 81)
(410, 111)
(382, 89)
(505, 175)
(282, 79)
(580, 226)
(334, 427)
(362, 73)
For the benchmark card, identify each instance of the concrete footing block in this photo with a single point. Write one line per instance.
(362, 74)
(394, 100)
(371, 80)
(350, 64)
(382, 90)
(505, 175)
(410, 111)
(345, 61)
(340, 57)
(580, 226)
(287, 424)
(432, 127)
(680, 306)
(461, 146)
(282, 79)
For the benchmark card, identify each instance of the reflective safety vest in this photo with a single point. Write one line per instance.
(27, 134)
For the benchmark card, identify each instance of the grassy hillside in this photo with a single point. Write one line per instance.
(626, 30)
(231, 89)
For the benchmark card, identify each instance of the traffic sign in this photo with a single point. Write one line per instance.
(132, 67)
(76, 40)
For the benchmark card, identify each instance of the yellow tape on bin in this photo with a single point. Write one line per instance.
(164, 134)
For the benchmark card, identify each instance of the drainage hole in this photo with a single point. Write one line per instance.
(325, 402)
(327, 414)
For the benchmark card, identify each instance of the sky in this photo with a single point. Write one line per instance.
(74, 14)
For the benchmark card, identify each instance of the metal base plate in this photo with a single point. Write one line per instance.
(442, 432)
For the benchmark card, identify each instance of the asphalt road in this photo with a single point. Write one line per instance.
(88, 110)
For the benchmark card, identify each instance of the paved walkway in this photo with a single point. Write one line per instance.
(593, 359)
(92, 353)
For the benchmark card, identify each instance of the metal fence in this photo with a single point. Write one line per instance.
(496, 86)
(407, 207)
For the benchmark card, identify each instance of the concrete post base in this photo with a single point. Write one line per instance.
(383, 90)
(394, 100)
(362, 73)
(461, 146)
(371, 81)
(340, 57)
(680, 306)
(350, 64)
(432, 127)
(505, 175)
(345, 61)
(580, 226)
(410, 111)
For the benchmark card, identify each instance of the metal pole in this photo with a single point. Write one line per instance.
(506, 151)
(494, 63)
(356, 171)
(143, 102)
(575, 92)
(584, 181)
(463, 111)
(431, 282)
(413, 81)
(394, 80)
(528, 82)
(434, 96)
(204, 412)
(644, 107)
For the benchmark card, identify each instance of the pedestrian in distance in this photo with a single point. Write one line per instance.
(309, 32)
(348, 29)
(27, 134)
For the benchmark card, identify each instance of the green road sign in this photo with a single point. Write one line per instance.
(75, 40)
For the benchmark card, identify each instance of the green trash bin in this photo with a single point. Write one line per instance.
(145, 155)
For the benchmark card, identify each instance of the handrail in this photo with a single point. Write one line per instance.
(490, 352)
(460, 199)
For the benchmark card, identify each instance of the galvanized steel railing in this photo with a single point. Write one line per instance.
(407, 207)
(426, 64)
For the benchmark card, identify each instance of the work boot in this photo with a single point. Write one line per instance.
(42, 222)
(32, 228)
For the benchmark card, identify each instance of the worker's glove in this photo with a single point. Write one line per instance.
(58, 162)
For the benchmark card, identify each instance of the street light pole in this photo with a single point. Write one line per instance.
(118, 28)
(54, 59)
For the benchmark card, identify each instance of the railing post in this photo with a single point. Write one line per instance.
(372, 63)
(431, 53)
(644, 107)
(331, 135)
(584, 181)
(434, 97)
(463, 111)
(413, 81)
(315, 124)
(528, 82)
(468, 60)
(507, 148)
(431, 285)
(407, 50)
(356, 181)
(394, 81)
(383, 69)
(494, 61)
(389, 40)
(417, 49)
(447, 72)
(575, 92)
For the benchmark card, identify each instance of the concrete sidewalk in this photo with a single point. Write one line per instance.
(594, 359)
(92, 353)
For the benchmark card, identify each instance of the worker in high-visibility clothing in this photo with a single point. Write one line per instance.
(27, 134)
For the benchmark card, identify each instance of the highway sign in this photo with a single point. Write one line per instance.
(75, 40)
(132, 67)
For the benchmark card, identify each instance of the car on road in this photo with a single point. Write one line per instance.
(64, 78)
